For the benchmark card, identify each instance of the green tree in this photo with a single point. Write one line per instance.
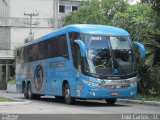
(142, 22)
(139, 20)
(95, 12)
(111, 7)
(156, 8)
(91, 13)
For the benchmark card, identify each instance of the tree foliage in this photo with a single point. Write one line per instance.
(95, 12)
(91, 13)
(139, 20)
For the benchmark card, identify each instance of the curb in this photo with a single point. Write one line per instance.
(11, 88)
(24, 102)
(7, 91)
(155, 103)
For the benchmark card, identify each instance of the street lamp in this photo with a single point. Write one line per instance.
(31, 34)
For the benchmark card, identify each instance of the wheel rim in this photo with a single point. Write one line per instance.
(29, 92)
(68, 98)
(67, 93)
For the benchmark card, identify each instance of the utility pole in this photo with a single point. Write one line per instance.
(55, 13)
(31, 34)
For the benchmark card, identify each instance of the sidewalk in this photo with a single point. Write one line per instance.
(11, 88)
(155, 103)
(13, 95)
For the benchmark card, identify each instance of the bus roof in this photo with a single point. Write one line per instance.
(85, 29)
(98, 29)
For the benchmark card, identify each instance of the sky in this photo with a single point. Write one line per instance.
(133, 2)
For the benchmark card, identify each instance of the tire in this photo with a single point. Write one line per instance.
(67, 94)
(30, 95)
(29, 91)
(111, 101)
(25, 92)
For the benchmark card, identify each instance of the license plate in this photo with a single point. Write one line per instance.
(113, 93)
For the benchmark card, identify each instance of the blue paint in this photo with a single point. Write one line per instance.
(56, 70)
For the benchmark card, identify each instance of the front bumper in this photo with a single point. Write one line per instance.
(88, 92)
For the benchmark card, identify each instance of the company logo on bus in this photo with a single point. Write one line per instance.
(38, 77)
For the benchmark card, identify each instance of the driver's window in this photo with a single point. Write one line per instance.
(76, 56)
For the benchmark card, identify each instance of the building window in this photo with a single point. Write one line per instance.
(68, 9)
(74, 8)
(61, 8)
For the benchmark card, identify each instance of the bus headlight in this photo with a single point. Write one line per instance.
(90, 83)
(133, 83)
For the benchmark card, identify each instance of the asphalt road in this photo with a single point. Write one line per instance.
(81, 110)
(51, 106)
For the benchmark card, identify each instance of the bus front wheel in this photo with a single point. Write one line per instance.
(111, 101)
(67, 94)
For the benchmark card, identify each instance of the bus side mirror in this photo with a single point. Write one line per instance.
(82, 47)
(141, 49)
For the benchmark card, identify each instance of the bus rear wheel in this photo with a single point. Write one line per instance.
(30, 94)
(111, 101)
(29, 91)
(25, 92)
(67, 94)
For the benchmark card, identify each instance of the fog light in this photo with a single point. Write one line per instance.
(133, 93)
(92, 93)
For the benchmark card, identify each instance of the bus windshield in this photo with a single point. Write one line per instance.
(108, 55)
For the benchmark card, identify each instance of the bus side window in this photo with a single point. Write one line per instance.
(17, 56)
(62, 45)
(22, 55)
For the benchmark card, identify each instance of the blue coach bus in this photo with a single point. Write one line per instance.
(79, 62)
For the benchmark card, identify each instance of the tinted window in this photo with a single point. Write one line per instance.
(18, 56)
(54, 47)
(74, 8)
(72, 37)
(57, 47)
(61, 8)
(21, 57)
